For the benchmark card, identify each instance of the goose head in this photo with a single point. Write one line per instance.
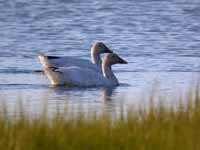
(108, 61)
(100, 48)
(112, 59)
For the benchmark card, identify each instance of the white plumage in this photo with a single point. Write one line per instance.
(95, 63)
(85, 77)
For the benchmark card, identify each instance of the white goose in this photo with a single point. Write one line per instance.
(66, 61)
(81, 77)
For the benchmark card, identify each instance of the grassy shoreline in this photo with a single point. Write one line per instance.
(148, 128)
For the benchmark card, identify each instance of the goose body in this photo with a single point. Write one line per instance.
(66, 61)
(84, 77)
(75, 76)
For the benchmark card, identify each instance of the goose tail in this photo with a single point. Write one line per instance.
(43, 60)
(54, 75)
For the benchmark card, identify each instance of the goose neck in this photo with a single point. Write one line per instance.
(108, 73)
(96, 58)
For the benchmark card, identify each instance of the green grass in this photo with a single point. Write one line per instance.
(147, 128)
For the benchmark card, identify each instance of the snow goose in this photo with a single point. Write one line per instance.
(66, 61)
(82, 77)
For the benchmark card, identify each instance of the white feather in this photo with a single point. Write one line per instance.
(66, 61)
(77, 76)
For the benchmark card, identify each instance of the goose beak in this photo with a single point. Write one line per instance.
(107, 50)
(122, 61)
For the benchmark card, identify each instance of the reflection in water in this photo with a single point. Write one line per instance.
(107, 93)
(86, 99)
(104, 93)
(108, 100)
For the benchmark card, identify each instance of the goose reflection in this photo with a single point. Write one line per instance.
(84, 99)
(107, 93)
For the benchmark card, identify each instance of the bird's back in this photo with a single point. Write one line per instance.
(68, 61)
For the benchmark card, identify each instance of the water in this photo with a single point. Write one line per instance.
(159, 38)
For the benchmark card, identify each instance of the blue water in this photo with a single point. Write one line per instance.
(159, 38)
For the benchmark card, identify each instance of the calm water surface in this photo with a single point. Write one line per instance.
(159, 38)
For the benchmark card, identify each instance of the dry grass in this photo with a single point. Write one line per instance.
(152, 128)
